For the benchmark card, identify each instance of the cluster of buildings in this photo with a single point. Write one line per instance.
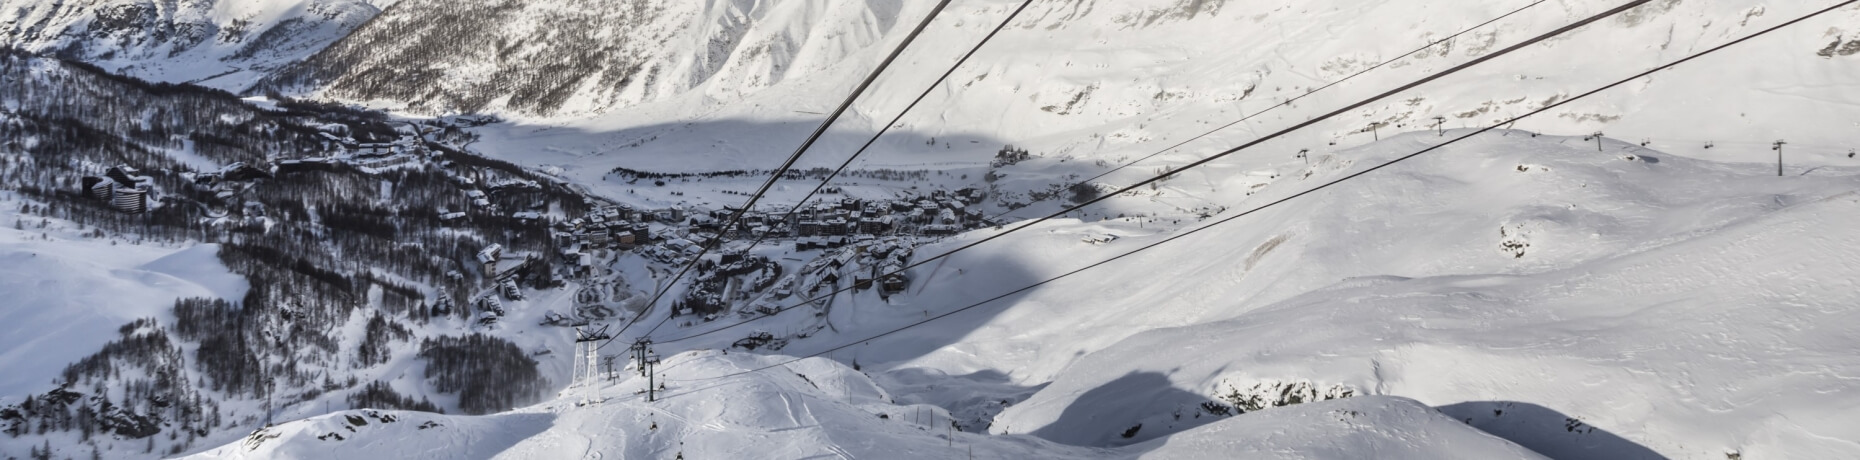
(122, 187)
(938, 213)
(613, 226)
(867, 241)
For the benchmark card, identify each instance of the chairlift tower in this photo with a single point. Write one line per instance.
(587, 362)
(1778, 148)
(642, 353)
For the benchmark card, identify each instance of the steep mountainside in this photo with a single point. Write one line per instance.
(225, 44)
(336, 280)
(1111, 80)
(583, 56)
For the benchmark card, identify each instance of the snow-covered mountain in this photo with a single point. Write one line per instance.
(584, 56)
(1655, 292)
(227, 44)
(1099, 79)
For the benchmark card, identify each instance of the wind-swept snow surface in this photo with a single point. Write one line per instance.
(820, 408)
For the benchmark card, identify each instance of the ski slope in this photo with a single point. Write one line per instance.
(820, 408)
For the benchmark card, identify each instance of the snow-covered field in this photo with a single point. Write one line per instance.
(66, 293)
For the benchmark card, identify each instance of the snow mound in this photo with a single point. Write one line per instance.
(818, 407)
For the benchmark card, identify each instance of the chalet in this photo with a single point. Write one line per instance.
(702, 240)
(489, 255)
(510, 290)
(584, 266)
(477, 197)
(893, 284)
(946, 217)
(882, 250)
(682, 245)
(840, 261)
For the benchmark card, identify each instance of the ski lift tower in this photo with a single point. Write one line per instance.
(587, 362)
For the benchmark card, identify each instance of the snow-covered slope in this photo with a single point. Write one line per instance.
(1625, 302)
(821, 408)
(1618, 304)
(1639, 296)
(1104, 80)
(584, 56)
(65, 291)
(227, 44)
